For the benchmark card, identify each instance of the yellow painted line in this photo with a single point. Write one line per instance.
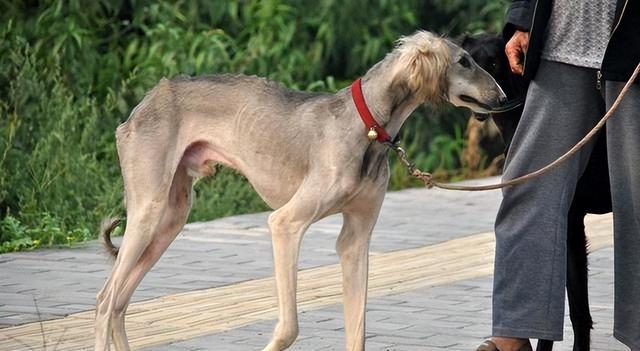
(196, 313)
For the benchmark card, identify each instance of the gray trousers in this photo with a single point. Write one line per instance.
(563, 104)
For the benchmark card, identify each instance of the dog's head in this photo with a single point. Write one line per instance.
(488, 51)
(436, 70)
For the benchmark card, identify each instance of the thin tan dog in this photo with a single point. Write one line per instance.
(306, 154)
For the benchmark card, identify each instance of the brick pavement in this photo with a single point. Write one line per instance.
(236, 249)
(454, 317)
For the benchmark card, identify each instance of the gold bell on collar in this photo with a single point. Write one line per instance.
(372, 134)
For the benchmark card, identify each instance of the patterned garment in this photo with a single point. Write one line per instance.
(578, 32)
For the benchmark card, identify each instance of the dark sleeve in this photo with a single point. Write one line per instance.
(519, 17)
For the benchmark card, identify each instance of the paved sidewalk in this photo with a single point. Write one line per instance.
(212, 290)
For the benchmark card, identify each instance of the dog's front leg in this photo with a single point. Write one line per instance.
(287, 226)
(353, 248)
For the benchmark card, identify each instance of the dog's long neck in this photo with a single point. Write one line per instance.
(390, 102)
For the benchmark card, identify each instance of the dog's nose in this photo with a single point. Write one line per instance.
(498, 101)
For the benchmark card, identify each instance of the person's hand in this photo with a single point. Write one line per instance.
(515, 49)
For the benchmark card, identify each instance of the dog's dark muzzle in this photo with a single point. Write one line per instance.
(471, 100)
(507, 106)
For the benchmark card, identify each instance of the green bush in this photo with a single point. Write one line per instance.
(71, 71)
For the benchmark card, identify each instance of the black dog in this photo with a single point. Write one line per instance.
(592, 191)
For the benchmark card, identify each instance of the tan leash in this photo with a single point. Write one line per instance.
(427, 178)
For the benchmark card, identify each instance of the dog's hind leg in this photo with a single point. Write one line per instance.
(577, 280)
(138, 235)
(150, 215)
(173, 220)
(353, 248)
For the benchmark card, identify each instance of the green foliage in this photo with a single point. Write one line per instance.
(225, 194)
(16, 236)
(72, 70)
(434, 143)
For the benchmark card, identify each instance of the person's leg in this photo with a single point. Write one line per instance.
(562, 105)
(623, 143)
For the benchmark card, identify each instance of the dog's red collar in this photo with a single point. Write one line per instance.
(374, 130)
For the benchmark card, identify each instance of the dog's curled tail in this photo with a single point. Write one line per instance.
(108, 225)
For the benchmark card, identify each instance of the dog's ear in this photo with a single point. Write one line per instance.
(422, 66)
(465, 39)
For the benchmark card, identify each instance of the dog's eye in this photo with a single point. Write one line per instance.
(464, 62)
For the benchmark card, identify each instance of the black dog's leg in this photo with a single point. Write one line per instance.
(577, 280)
(544, 345)
(577, 283)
